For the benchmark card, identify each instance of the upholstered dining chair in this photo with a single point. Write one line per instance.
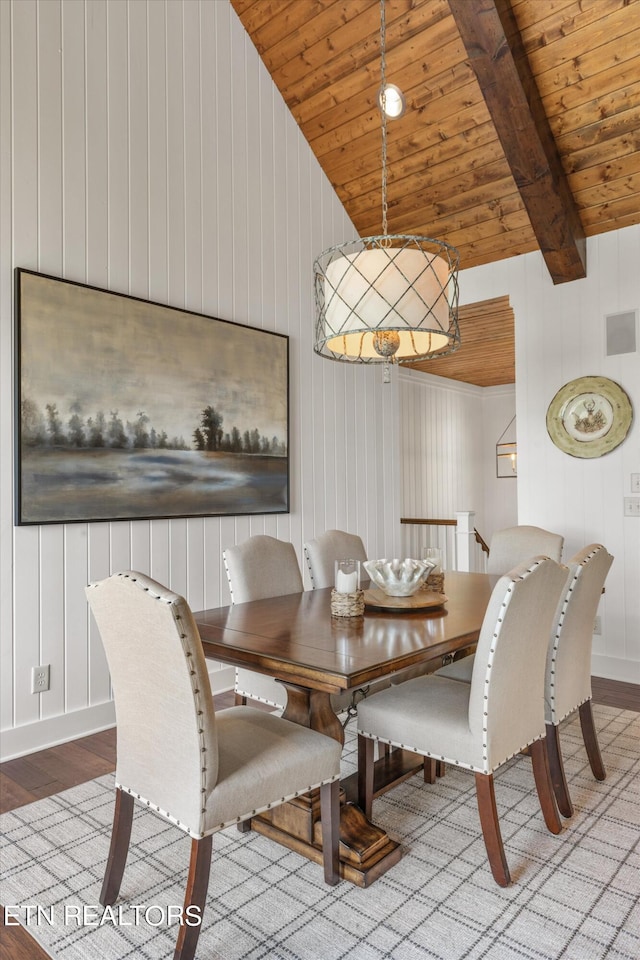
(515, 545)
(196, 768)
(261, 567)
(568, 679)
(264, 567)
(479, 726)
(568, 668)
(322, 552)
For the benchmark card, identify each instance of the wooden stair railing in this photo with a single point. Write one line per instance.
(479, 539)
(448, 523)
(433, 522)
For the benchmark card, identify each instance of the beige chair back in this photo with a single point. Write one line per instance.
(515, 545)
(322, 552)
(262, 567)
(506, 700)
(167, 744)
(569, 654)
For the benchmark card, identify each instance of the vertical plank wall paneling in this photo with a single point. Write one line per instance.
(560, 335)
(442, 451)
(6, 393)
(500, 494)
(145, 150)
(24, 197)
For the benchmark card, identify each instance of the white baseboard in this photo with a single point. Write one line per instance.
(222, 679)
(614, 668)
(31, 737)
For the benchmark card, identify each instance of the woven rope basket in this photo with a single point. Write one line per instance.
(347, 604)
(435, 583)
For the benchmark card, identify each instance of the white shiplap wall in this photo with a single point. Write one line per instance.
(442, 456)
(560, 335)
(500, 493)
(145, 149)
(448, 435)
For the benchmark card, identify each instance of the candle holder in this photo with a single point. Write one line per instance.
(347, 599)
(347, 604)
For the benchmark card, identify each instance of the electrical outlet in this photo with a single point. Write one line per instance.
(635, 483)
(597, 627)
(40, 678)
(632, 506)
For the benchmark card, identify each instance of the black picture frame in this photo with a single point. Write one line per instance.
(127, 409)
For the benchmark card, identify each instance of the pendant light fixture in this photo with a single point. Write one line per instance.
(388, 298)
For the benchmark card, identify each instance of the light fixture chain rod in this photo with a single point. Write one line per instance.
(384, 115)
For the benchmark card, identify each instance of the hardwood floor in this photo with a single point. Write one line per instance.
(50, 771)
(616, 693)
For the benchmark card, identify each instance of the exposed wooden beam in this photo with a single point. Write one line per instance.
(496, 53)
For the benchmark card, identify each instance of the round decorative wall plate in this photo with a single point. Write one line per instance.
(589, 417)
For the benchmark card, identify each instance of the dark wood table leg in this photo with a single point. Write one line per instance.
(366, 852)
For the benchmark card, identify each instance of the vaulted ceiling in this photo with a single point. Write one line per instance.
(522, 128)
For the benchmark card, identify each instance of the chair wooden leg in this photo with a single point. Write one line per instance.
(556, 769)
(119, 848)
(590, 738)
(429, 770)
(546, 795)
(239, 700)
(365, 774)
(491, 829)
(195, 897)
(384, 749)
(441, 768)
(330, 819)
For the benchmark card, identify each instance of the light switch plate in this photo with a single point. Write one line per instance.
(632, 506)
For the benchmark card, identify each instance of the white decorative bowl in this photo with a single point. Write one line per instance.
(399, 578)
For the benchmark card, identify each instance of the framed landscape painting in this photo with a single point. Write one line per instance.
(127, 409)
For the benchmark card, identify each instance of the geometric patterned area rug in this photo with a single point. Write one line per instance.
(574, 896)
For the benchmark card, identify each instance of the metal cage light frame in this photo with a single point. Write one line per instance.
(391, 298)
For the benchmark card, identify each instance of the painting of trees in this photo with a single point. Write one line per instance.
(132, 409)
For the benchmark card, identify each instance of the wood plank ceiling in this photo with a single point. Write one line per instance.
(522, 128)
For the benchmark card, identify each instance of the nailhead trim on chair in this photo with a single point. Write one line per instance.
(200, 833)
(226, 570)
(457, 763)
(252, 696)
(554, 653)
(222, 826)
(236, 689)
(452, 763)
(199, 712)
(487, 679)
(308, 559)
(558, 720)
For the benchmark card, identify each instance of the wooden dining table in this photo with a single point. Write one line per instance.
(295, 639)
